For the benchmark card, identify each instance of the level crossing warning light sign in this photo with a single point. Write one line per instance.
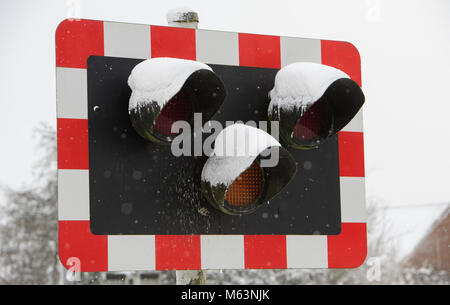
(126, 201)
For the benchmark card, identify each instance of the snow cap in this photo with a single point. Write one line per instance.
(300, 84)
(235, 149)
(160, 79)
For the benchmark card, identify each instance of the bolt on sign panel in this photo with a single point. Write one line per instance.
(118, 192)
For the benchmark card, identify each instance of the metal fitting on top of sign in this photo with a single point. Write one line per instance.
(182, 17)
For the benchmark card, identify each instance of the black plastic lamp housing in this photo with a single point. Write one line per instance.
(312, 102)
(246, 169)
(166, 90)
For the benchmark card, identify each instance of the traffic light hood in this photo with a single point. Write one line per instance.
(165, 90)
(312, 102)
(238, 158)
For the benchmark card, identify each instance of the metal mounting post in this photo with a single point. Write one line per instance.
(186, 18)
(191, 277)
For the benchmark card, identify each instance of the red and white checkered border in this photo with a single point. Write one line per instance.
(76, 40)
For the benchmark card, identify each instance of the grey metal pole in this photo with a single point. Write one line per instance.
(191, 277)
(186, 18)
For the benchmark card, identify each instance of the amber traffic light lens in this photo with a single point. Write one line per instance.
(247, 188)
(314, 125)
(179, 108)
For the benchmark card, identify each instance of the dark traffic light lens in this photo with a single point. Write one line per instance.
(179, 108)
(247, 188)
(314, 126)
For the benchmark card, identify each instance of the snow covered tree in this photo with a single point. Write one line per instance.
(28, 231)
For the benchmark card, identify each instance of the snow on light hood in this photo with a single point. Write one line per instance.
(235, 149)
(159, 79)
(300, 84)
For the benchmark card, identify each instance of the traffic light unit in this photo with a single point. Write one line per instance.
(312, 102)
(166, 90)
(235, 179)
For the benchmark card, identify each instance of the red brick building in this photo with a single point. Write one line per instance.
(434, 248)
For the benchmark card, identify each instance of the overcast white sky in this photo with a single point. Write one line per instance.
(404, 45)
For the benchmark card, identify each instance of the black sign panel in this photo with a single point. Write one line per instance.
(139, 187)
